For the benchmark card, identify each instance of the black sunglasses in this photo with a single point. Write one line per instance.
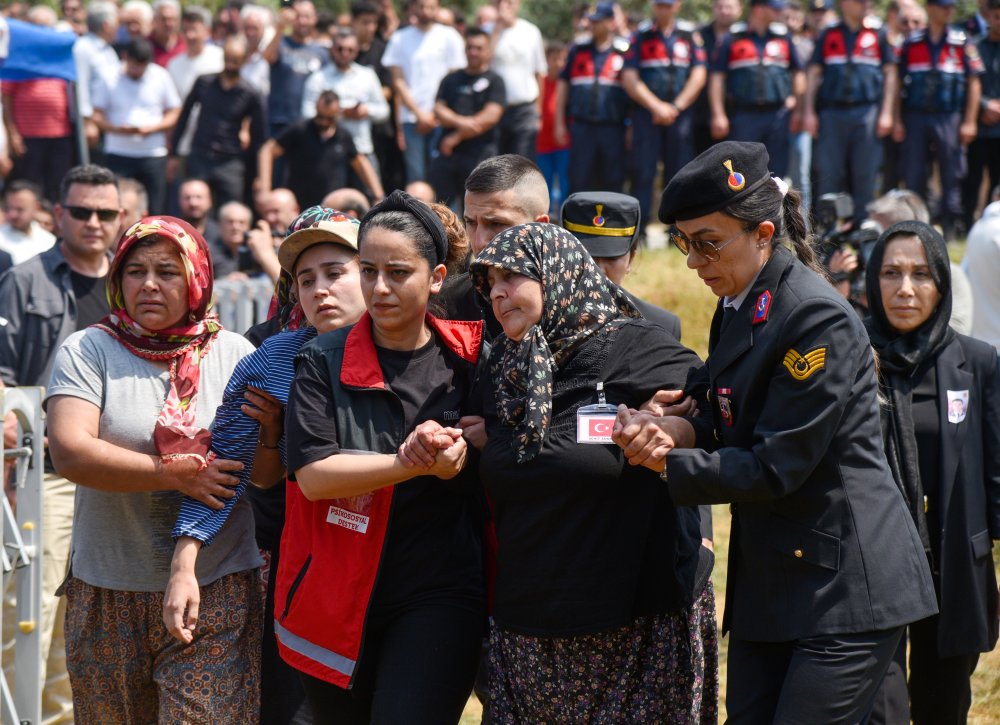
(83, 213)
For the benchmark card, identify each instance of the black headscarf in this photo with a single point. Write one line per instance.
(902, 354)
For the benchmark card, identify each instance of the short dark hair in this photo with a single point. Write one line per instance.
(993, 4)
(327, 97)
(89, 175)
(364, 7)
(139, 50)
(500, 173)
(197, 14)
(23, 185)
(474, 31)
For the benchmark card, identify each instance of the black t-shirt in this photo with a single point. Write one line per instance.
(316, 166)
(433, 545)
(927, 431)
(91, 299)
(585, 541)
(467, 94)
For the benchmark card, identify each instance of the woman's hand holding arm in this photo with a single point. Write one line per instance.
(269, 412)
(421, 447)
(182, 594)
(82, 457)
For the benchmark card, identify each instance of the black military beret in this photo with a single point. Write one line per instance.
(606, 223)
(727, 171)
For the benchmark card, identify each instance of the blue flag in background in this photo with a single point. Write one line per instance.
(37, 52)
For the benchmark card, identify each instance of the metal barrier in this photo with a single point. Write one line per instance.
(241, 304)
(22, 556)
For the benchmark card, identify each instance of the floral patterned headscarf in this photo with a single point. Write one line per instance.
(577, 301)
(183, 346)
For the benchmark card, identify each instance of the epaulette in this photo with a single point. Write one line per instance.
(957, 37)
(645, 26)
(620, 44)
(685, 26)
(871, 22)
(777, 29)
(739, 27)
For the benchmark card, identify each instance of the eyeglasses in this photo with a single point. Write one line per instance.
(344, 49)
(83, 213)
(710, 251)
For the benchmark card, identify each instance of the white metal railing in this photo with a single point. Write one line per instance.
(22, 556)
(241, 304)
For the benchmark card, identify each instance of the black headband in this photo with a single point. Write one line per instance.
(401, 201)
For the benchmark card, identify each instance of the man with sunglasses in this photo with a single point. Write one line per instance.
(43, 301)
(362, 102)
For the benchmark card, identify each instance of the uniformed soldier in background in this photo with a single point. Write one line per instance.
(591, 97)
(939, 71)
(852, 82)
(724, 14)
(664, 73)
(825, 564)
(984, 152)
(758, 71)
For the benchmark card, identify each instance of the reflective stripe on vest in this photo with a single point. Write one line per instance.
(325, 657)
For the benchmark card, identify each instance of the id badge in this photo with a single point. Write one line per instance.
(594, 423)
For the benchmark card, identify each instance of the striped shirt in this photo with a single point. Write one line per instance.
(39, 107)
(234, 434)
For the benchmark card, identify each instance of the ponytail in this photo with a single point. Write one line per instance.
(457, 259)
(782, 206)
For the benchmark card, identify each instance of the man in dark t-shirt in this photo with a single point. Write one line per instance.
(469, 106)
(318, 156)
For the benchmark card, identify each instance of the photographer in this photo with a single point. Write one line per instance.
(241, 251)
(844, 246)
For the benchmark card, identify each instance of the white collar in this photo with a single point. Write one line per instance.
(737, 301)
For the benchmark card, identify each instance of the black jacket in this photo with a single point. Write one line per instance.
(822, 542)
(969, 498)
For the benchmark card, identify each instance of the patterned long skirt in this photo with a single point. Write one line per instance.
(658, 669)
(125, 667)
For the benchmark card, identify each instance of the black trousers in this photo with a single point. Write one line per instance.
(45, 162)
(940, 688)
(825, 679)
(519, 130)
(418, 667)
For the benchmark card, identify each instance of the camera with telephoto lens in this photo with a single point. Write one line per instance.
(836, 230)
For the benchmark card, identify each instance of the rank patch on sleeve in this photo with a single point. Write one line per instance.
(803, 367)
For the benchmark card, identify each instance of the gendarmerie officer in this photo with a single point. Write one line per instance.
(664, 73)
(939, 71)
(852, 81)
(607, 224)
(759, 73)
(825, 564)
(591, 97)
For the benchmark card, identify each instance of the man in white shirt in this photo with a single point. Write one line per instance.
(419, 56)
(982, 265)
(258, 29)
(21, 237)
(135, 111)
(200, 59)
(518, 58)
(362, 102)
(95, 58)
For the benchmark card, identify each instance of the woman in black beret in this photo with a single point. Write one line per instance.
(825, 565)
(941, 424)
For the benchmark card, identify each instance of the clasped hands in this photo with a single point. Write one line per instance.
(442, 451)
(646, 435)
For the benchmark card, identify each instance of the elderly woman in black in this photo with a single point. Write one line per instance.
(601, 590)
(941, 425)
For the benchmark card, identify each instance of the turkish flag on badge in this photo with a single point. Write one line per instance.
(595, 428)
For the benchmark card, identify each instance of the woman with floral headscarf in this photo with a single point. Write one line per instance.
(130, 404)
(601, 584)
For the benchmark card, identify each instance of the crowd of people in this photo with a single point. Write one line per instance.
(458, 455)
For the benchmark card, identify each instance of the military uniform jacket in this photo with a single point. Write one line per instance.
(758, 68)
(822, 542)
(933, 75)
(852, 64)
(664, 62)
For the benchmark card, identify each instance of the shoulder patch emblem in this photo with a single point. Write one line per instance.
(762, 308)
(803, 367)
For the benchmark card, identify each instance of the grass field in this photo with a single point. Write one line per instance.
(661, 277)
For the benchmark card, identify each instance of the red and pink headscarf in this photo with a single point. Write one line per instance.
(183, 346)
